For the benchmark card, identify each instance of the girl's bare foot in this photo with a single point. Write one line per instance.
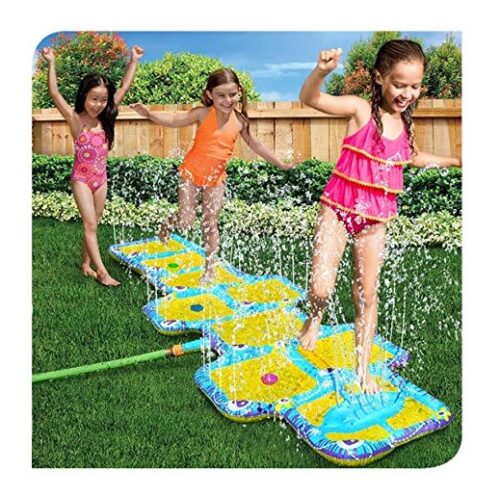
(106, 280)
(309, 334)
(88, 271)
(368, 384)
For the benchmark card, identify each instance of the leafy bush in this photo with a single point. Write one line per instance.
(50, 173)
(178, 79)
(431, 190)
(259, 181)
(86, 52)
(443, 77)
(358, 63)
(257, 219)
(135, 179)
(143, 177)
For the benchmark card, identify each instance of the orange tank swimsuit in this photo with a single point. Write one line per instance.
(205, 163)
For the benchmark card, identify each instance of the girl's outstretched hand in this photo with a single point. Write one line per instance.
(48, 54)
(140, 109)
(293, 161)
(136, 53)
(329, 59)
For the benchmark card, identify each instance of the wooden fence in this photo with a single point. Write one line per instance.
(282, 126)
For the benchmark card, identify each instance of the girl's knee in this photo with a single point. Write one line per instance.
(90, 226)
(320, 291)
(209, 222)
(184, 221)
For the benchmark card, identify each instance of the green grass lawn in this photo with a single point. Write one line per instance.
(153, 415)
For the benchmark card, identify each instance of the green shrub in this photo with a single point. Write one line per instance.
(254, 219)
(443, 77)
(86, 52)
(431, 190)
(178, 79)
(143, 177)
(259, 181)
(50, 173)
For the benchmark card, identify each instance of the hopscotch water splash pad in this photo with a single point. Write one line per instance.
(262, 371)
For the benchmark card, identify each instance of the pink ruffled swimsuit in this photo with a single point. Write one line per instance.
(367, 178)
(91, 152)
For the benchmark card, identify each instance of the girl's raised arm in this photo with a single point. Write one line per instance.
(135, 55)
(64, 108)
(311, 94)
(177, 120)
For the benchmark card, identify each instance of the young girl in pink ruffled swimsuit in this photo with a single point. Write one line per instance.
(92, 126)
(361, 195)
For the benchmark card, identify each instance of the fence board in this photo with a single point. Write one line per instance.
(281, 126)
(283, 144)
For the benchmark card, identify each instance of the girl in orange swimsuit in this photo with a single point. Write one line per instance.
(92, 124)
(204, 167)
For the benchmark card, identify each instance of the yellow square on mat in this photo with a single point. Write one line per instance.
(315, 411)
(260, 329)
(192, 279)
(153, 247)
(266, 379)
(199, 307)
(262, 292)
(413, 412)
(177, 262)
(338, 351)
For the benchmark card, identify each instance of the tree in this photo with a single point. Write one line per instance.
(358, 64)
(443, 77)
(86, 52)
(177, 79)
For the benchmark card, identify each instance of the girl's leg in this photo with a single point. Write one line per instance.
(213, 199)
(86, 262)
(329, 244)
(184, 218)
(99, 201)
(368, 259)
(85, 202)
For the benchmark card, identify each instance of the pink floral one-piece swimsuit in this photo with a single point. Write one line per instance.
(91, 152)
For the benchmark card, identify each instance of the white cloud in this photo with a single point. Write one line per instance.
(278, 70)
(276, 96)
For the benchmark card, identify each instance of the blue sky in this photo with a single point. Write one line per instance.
(277, 61)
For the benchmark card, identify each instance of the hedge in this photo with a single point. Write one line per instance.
(143, 177)
(257, 219)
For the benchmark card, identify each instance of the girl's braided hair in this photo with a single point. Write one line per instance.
(388, 56)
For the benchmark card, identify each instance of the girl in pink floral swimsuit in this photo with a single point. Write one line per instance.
(92, 125)
(361, 195)
(91, 152)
